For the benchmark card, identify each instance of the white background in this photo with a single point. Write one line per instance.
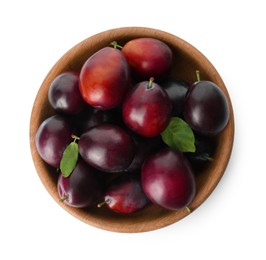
(229, 225)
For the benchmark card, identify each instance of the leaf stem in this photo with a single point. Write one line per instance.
(75, 137)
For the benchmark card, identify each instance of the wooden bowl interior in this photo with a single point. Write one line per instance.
(187, 61)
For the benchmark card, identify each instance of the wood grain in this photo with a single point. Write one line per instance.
(187, 60)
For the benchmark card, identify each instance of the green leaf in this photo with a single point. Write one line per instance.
(179, 135)
(69, 159)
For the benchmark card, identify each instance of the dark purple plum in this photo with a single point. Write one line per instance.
(82, 188)
(64, 95)
(147, 109)
(125, 195)
(144, 148)
(167, 179)
(92, 117)
(176, 91)
(52, 137)
(205, 149)
(107, 147)
(206, 109)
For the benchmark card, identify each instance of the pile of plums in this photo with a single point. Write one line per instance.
(105, 137)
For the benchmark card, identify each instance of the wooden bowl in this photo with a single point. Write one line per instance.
(187, 61)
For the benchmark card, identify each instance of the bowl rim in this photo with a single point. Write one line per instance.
(95, 42)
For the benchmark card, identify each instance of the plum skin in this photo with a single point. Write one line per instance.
(125, 195)
(107, 147)
(64, 95)
(52, 137)
(146, 111)
(105, 79)
(206, 108)
(176, 90)
(167, 179)
(148, 57)
(82, 188)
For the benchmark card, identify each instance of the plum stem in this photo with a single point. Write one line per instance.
(150, 82)
(203, 156)
(188, 209)
(198, 75)
(75, 137)
(103, 203)
(116, 45)
(208, 158)
(64, 198)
